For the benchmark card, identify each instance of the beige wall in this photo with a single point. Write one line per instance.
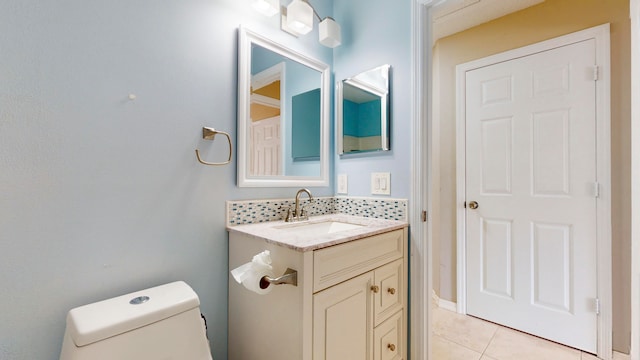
(550, 19)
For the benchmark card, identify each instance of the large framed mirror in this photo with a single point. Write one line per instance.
(283, 115)
(363, 111)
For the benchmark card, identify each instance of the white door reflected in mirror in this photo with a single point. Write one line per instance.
(265, 141)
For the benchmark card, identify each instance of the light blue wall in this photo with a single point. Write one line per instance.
(377, 32)
(99, 195)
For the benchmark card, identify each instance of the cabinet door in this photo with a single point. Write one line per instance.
(389, 339)
(390, 290)
(342, 320)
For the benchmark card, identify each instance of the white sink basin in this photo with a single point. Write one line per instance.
(319, 228)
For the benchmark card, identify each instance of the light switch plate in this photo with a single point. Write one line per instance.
(342, 184)
(381, 183)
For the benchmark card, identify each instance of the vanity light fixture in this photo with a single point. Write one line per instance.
(297, 19)
(329, 31)
(267, 7)
(300, 16)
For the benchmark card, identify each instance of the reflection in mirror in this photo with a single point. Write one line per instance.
(363, 112)
(282, 115)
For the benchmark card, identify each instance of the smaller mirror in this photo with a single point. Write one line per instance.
(363, 111)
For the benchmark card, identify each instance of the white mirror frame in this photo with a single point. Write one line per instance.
(246, 39)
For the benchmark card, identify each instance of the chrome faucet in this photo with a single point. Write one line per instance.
(299, 213)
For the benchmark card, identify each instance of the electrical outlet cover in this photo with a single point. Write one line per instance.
(342, 184)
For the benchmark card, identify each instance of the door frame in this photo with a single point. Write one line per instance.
(603, 169)
(635, 186)
(420, 253)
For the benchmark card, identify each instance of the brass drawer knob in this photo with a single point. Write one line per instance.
(375, 289)
(391, 347)
(391, 291)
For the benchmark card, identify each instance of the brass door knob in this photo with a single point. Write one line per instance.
(391, 347)
(391, 291)
(473, 205)
(375, 289)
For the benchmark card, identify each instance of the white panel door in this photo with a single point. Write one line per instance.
(266, 149)
(531, 169)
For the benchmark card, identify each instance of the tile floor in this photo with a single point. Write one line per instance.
(460, 337)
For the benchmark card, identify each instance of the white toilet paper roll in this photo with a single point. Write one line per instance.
(253, 282)
(251, 273)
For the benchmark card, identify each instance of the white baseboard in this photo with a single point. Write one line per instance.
(443, 304)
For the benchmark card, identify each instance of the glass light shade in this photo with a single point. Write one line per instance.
(300, 16)
(267, 7)
(329, 32)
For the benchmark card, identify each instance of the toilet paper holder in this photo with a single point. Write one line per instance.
(289, 277)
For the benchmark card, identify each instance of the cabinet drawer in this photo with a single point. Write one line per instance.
(338, 263)
(388, 339)
(389, 298)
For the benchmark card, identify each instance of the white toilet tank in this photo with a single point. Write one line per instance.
(163, 322)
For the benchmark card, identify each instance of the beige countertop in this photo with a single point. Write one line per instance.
(275, 232)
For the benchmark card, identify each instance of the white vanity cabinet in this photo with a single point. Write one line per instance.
(350, 301)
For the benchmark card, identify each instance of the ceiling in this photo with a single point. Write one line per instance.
(452, 16)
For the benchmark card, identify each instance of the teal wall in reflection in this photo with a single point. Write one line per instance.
(306, 126)
(362, 120)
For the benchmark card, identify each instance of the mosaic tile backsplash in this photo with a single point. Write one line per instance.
(256, 211)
